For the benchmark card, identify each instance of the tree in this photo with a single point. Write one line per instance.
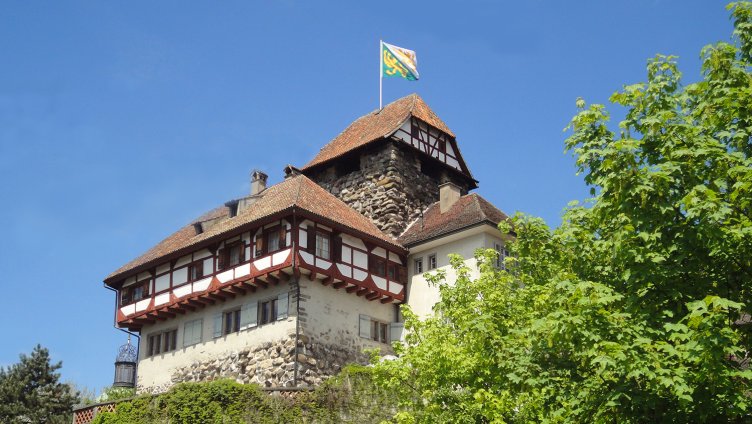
(637, 307)
(30, 391)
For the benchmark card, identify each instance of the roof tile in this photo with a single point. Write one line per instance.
(377, 125)
(469, 210)
(297, 191)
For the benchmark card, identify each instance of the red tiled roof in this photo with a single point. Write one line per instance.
(297, 191)
(469, 210)
(377, 125)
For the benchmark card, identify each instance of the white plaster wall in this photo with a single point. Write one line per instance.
(333, 316)
(157, 370)
(421, 295)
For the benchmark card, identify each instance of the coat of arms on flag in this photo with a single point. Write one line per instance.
(398, 62)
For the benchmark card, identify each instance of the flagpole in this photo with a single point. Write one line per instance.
(381, 69)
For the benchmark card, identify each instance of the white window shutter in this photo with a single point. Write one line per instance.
(365, 326)
(217, 325)
(395, 331)
(282, 305)
(249, 315)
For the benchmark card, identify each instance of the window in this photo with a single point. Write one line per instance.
(503, 253)
(135, 293)
(195, 270)
(268, 311)
(322, 245)
(231, 255)
(192, 332)
(391, 272)
(378, 266)
(259, 245)
(379, 331)
(375, 330)
(165, 341)
(235, 254)
(275, 239)
(418, 263)
(231, 321)
(432, 261)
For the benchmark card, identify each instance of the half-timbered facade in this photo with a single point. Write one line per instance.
(286, 285)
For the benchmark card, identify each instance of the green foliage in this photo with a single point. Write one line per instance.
(627, 311)
(349, 397)
(116, 393)
(31, 391)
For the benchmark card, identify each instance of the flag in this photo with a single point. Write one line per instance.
(398, 62)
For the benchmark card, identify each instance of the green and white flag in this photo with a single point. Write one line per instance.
(398, 62)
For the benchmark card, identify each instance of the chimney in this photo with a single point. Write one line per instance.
(258, 182)
(449, 194)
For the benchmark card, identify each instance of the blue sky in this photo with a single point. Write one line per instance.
(122, 121)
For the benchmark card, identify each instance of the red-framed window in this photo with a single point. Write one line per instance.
(324, 243)
(271, 240)
(232, 254)
(195, 270)
(377, 265)
(136, 292)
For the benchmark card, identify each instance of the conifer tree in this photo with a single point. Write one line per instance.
(31, 391)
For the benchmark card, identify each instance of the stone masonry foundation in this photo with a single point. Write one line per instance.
(270, 365)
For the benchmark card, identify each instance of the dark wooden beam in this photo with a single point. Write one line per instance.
(362, 291)
(219, 295)
(164, 315)
(386, 299)
(187, 305)
(248, 285)
(372, 295)
(261, 283)
(236, 288)
(176, 308)
(143, 320)
(339, 284)
(198, 302)
(328, 280)
(352, 289)
(282, 275)
(272, 279)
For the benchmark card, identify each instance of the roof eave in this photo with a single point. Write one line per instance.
(449, 233)
(112, 278)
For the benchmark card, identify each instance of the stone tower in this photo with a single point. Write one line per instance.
(388, 165)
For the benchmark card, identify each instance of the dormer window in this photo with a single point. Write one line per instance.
(232, 208)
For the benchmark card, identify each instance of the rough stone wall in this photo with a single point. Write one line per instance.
(270, 365)
(389, 188)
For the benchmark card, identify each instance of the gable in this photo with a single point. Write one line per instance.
(432, 142)
(396, 121)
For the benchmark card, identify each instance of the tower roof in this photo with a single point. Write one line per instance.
(377, 125)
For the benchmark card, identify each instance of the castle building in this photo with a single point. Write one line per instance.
(286, 285)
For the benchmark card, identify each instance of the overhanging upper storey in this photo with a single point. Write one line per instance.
(408, 120)
(289, 229)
